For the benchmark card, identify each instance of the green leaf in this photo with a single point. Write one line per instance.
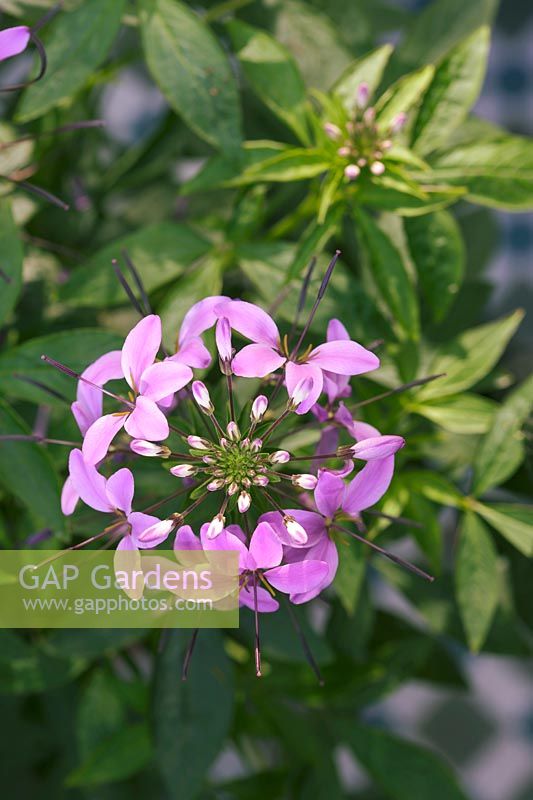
(160, 252)
(75, 348)
(313, 242)
(495, 459)
(191, 718)
(11, 256)
(367, 69)
(470, 357)
(27, 472)
(204, 280)
(296, 164)
(350, 575)
(90, 644)
(403, 770)
(391, 278)
(403, 95)
(513, 521)
(272, 73)
(192, 71)
(25, 668)
(452, 93)
(220, 170)
(116, 757)
(429, 536)
(434, 487)
(438, 253)
(78, 42)
(477, 579)
(462, 413)
(497, 171)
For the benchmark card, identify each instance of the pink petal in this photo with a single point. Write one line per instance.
(13, 41)
(369, 485)
(337, 331)
(312, 523)
(250, 321)
(119, 490)
(146, 421)
(265, 548)
(69, 497)
(199, 318)
(326, 552)
(88, 483)
(336, 386)
(225, 541)
(140, 349)
(83, 416)
(328, 493)
(265, 602)
(343, 358)
(297, 372)
(100, 435)
(163, 379)
(375, 447)
(89, 398)
(256, 361)
(126, 543)
(362, 430)
(141, 522)
(301, 576)
(186, 539)
(193, 353)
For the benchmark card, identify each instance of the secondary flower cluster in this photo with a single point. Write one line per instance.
(283, 522)
(361, 141)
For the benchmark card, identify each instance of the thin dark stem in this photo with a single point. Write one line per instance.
(320, 295)
(178, 493)
(44, 62)
(73, 126)
(398, 390)
(33, 437)
(43, 386)
(275, 424)
(5, 277)
(303, 296)
(45, 19)
(178, 431)
(257, 647)
(398, 520)
(79, 546)
(137, 278)
(127, 288)
(188, 655)
(72, 374)
(37, 190)
(397, 560)
(305, 644)
(317, 457)
(229, 383)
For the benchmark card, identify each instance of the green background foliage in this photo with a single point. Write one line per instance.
(232, 185)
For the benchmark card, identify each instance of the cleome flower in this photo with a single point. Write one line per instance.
(228, 443)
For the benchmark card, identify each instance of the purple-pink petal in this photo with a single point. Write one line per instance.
(140, 523)
(89, 399)
(328, 493)
(140, 349)
(369, 485)
(69, 497)
(256, 361)
(336, 331)
(200, 317)
(186, 539)
(312, 523)
(265, 548)
(119, 490)
(343, 358)
(13, 41)
(147, 421)
(326, 552)
(160, 380)
(294, 373)
(88, 483)
(265, 602)
(298, 577)
(250, 321)
(377, 447)
(100, 435)
(193, 353)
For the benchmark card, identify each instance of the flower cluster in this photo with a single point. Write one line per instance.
(361, 141)
(285, 523)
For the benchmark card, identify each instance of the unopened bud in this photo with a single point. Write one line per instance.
(377, 168)
(157, 533)
(216, 526)
(362, 95)
(259, 407)
(149, 449)
(214, 486)
(377, 447)
(201, 396)
(295, 530)
(300, 392)
(232, 489)
(332, 131)
(197, 443)
(280, 457)
(398, 122)
(233, 431)
(244, 502)
(344, 151)
(370, 115)
(261, 480)
(352, 171)
(256, 445)
(305, 481)
(184, 470)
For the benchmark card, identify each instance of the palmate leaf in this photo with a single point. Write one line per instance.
(192, 71)
(477, 579)
(78, 42)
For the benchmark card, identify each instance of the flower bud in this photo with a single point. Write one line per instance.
(370, 115)
(157, 533)
(362, 95)
(259, 407)
(300, 392)
(352, 171)
(344, 151)
(197, 443)
(214, 486)
(398, 122)
(295, 530)
(256, 445)
(332, 131)
(184, 470)
(244, 502)
(233, 431)
(201, 396)
(377, 447)
(377, 168)
(223, 339)
(261, 480)
(144, 448)
(232, 489)
(216, 526)
(305, 481)
(280, 457)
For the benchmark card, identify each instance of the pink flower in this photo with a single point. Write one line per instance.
(150, 382)
(14, 41)
(113, 495)
(337, 357)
